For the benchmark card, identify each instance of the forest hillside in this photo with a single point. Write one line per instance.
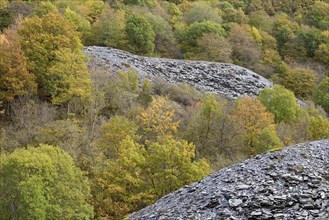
(80, 139)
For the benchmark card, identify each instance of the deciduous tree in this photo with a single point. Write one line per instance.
(140, 175)
(91, 9)
(202, 11)
(157, 121)
(109, 29)
(321, 95)
(254, 126)
(301, 81)
(6, 15)
(195, 31)
(81, 23)
(42, 183)
(171, 165)
(45, 7)
(318, 128)
(212, 47)
(246, 51)
(322, 54)
(281, 103)
(204, 126)
(54, 51)
(68, 77)
(165, 41)
(114, 131)
(15, 79)
(198, 29)
(140, 35)
(318, 14)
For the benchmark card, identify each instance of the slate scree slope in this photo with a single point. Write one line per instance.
(288, 184)
(229, 80)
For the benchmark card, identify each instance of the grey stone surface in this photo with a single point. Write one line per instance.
(229, 80)
(288, 184)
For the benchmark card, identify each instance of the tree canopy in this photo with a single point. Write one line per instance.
(54, 52)
(321, 94)
(281, 103)
(42, 183)
(256, 128)
(15, 79)
(140, 35)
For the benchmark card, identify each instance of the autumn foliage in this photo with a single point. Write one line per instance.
(15, 79)
(87, 143)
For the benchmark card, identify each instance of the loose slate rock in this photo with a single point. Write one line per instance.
(228, 80)
(263, 187)
(235, 202)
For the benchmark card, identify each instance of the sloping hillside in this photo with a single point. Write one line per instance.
(228, 80)
(288, 184)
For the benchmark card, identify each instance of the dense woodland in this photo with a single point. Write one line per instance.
(77, 143)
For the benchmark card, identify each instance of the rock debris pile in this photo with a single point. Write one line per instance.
(229, 80)
(288, 184)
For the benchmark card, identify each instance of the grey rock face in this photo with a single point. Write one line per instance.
(229, 80)
(288, 184)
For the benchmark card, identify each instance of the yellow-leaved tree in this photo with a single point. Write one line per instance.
(113, 132)
(318, 128)
(140, 175)
(134, 173)
(54, 51)
(157, 121)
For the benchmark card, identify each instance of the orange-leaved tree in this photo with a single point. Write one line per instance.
(255, 126)
(15, 79)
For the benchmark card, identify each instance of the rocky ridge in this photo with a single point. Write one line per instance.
(288, 184)
(229, 80)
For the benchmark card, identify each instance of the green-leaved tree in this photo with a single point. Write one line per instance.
(321, 95)
(281, 103)
(42, 183)
(140, 35)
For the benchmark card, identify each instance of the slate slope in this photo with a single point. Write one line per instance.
(229, 80)
(288, 184)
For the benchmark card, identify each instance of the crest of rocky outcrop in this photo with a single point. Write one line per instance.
(288, 184)
(229, 80)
